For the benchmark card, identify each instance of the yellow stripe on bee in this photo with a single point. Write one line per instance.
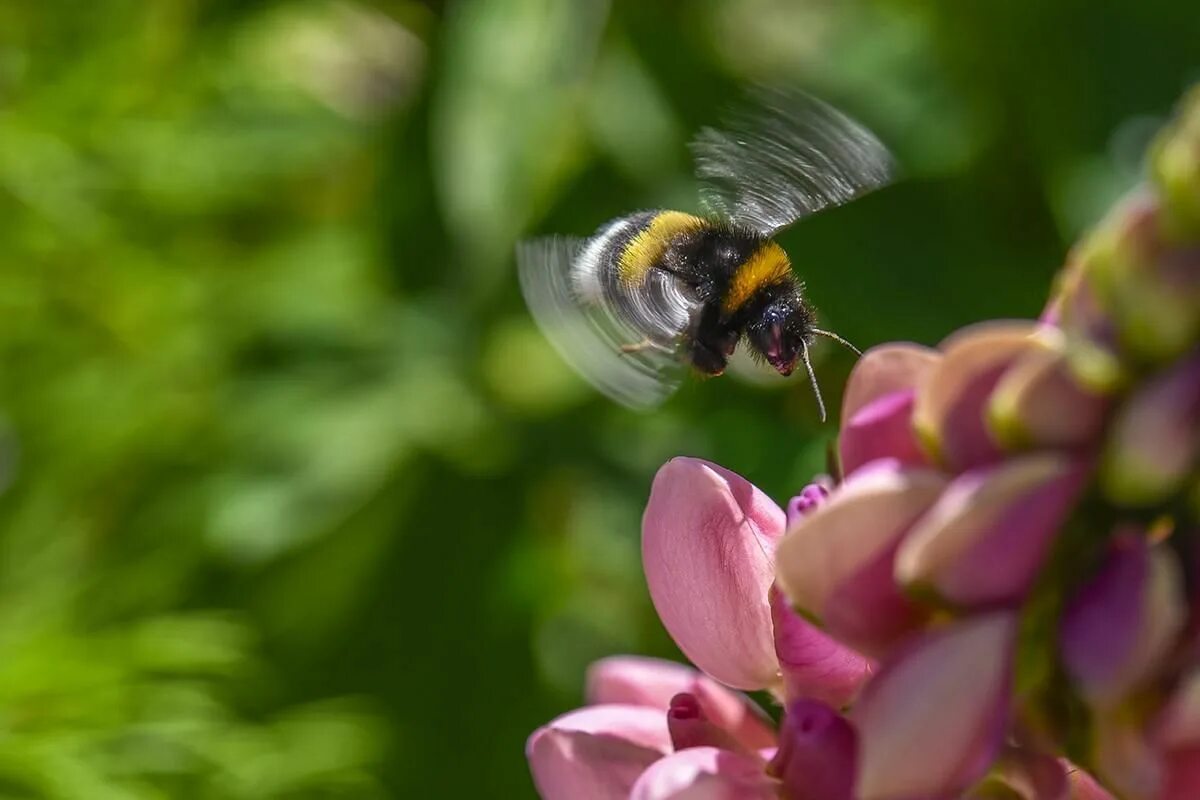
(644, 251)
(768, 265)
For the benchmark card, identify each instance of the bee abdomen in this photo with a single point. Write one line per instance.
(601, 256)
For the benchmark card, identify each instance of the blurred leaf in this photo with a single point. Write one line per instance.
(506, 126)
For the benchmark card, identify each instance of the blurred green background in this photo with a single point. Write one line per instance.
(297, 502)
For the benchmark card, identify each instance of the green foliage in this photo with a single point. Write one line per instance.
(299, 503)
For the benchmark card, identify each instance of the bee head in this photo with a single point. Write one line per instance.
(780, 328)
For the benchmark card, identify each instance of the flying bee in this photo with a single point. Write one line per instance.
(653, 293)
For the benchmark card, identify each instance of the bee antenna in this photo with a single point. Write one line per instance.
(836, 338)
(812, 378)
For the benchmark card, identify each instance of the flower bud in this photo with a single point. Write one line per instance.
(1175, 166)
(933, 718)
(653, 682)
(811, 496)
(1041, 403)
(1091, 335)
(884, 370)
(836, 563)
(817, 751)
(1148, 285)
(689, 727)
(1119, 627)
(951, 401)
(881, 429)
(1155, 440)
(985, 539)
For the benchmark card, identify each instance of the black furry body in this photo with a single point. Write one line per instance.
(704, 260)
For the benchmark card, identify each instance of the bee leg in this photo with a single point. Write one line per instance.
(645, 344)
(707, 360)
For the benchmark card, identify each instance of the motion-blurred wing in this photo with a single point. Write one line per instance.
(587, 333)
(788, 156)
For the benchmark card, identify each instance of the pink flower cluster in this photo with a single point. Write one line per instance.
(1007, 575)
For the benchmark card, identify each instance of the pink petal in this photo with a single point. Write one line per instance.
(841, 543)
(817, 752)
(596, 752)
(1040, 402)
(986, 538)
(689, 727)
(1119, 628)
(705, 773)
(884, 370)
(814, 664)
(1155, 441)
(652, 682)
(932, 720)
(881, 429)
(949, 414)
(708, 538)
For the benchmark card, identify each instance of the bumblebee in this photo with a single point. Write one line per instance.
(655, 292)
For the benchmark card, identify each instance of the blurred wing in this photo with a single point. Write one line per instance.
(589, 336)
(789, 157)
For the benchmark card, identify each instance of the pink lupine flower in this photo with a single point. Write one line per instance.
(709, 742)
(1025, 485)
